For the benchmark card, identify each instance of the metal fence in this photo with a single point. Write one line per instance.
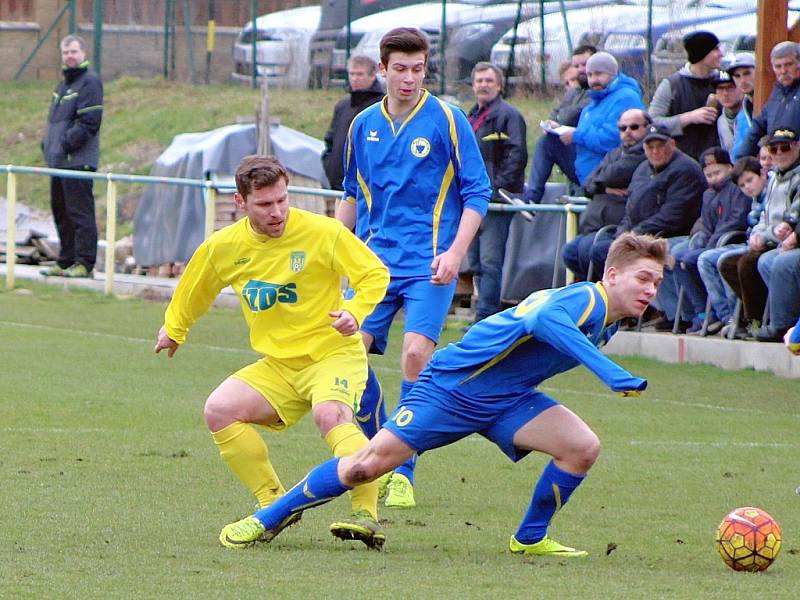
(210, 190)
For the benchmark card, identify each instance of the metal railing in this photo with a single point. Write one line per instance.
(210, 189)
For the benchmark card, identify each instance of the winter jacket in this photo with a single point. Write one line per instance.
(502, 138)
(343, 114)
(743, 121)
(569, 111)
(682, 92)
(72, 139)
(667, 200)
(781, 110)
(597, 132)
(724, 209)
(614, 171)
(783, 189)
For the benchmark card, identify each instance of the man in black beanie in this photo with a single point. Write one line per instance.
(685, 103)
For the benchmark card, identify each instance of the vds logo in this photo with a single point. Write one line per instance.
(261, 295)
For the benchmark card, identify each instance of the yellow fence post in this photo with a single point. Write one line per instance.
(211, 208)
(571, 233)
(11, 228)
(111, 231)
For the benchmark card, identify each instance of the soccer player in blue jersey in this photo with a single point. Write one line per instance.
(416, 190)
(487, 384)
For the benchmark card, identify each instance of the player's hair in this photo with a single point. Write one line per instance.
(744, 164)
(487, 66)
(630, 247)
(363, 61)
(584, 49)
(407, 40)
(257, 171)
(66, 40)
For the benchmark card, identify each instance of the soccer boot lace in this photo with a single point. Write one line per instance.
(399, 492)
(248, 531)
(383, 485)
(362, 527)
(545, 547)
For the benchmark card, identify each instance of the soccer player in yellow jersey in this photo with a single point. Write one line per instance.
(286, 266)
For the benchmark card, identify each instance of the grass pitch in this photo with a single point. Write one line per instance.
(112, 487)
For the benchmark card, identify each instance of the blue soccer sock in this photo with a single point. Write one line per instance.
(321, 485)
(407, 468)
(552, 491)
(372, 410)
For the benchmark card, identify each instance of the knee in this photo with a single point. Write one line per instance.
(328, 415)
(218, 412)
(414, 361)
(583, 453)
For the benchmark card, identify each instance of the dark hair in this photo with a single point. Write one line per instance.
(720, 156)
(746, 163)
(256, 172)
(583, 49)
(487, 66)
(630, 247)
(403, 39)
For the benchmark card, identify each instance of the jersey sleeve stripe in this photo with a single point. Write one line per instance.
(453, 132)
(498, 358)
(588, 310)
(364, 189)
(437, 208)
(604, 297)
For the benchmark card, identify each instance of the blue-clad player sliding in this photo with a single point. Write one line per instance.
(486, 384)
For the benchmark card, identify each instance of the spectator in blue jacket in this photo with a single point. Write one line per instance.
(725, 209)
(612, 93)
(743, 72)
(782, 109)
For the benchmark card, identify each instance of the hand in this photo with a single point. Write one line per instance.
(705, 115)
(793, 348)
(630, 394)
(781, 230)
(345, 323)
(566, 137)
(444, 267)
(616, 191)
(755, 242)
(550, 122)
(164, 342)
(789, 242)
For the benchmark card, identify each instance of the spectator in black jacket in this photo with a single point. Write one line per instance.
(365, 90)
(782, 109)
(664, 196)
(725, 209)
(72, 141)
(607, 186)
(681, 101)
(502, 137)
(549, 149)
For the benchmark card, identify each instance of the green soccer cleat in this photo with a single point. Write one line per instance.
(383, 485)
(248, 531)
(77, 270)
(545, 547)
(54, 271)
(400, 492)
(362, 527)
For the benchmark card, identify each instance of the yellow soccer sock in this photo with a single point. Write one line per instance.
(347, 439)
(244, 451)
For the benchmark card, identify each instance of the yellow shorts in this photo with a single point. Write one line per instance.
(293, 387)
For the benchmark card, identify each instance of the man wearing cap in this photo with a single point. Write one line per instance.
(730, 100)
(743, 72)
(681, 102)
(612, 93)
(782, 109)
(664, 194)
(749, 273)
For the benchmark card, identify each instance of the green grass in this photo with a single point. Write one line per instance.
(141, 116)
(112, 487)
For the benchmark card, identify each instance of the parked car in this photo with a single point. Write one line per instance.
(282, 45)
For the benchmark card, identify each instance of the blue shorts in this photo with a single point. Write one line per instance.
(425, 306)
(431, 417)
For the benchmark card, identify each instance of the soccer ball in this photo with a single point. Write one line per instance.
(748, 539)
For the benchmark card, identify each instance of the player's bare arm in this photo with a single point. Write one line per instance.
(346, 213)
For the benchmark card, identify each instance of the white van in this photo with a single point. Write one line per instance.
(282, 43)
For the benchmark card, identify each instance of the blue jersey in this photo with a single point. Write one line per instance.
(411, 182)
(504, 356)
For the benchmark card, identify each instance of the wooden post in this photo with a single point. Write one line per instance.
(771, 28)
(11, 228)
(111, 232)
(263, 141)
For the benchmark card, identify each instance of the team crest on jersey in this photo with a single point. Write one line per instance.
(420, 147)
(297, 261)
(373, 136)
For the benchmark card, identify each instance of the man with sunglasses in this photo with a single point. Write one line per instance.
(782, 109)
(607, 186)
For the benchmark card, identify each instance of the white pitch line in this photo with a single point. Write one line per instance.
(689, 444)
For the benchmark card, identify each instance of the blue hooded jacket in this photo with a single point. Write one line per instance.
(597, 132)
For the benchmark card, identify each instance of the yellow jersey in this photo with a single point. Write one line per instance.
(286, 285)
